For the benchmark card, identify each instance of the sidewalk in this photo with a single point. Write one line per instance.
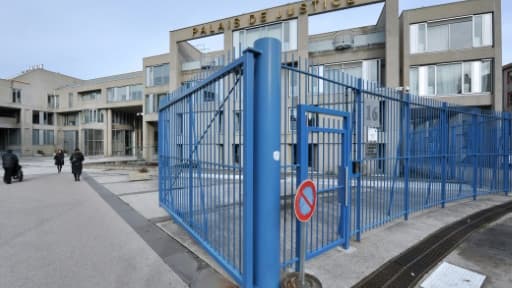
(55, 232)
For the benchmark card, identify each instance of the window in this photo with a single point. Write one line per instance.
(236, 154)
(123, 118)
(220, 122)
(47, 118)
(157, 75)
(70, 100)
(482, 30)
(208, 96)
(43, 118)
(125, 93)
(448, 79)
(92, 116)
(452, 34)
(90, 95)
(43, 137)
(293, 119)
(35, 137)
(354, 69)
(70, 119)
(179, 123)
(451, 78)
(93, 141)
(48, 138)
(53, 101)
(35, 117)
(286, 32)
(382, 115)
(312, 119)
(238, 121)
(179, 153)
(16, 95)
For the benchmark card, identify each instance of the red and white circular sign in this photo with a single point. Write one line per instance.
(305, 200)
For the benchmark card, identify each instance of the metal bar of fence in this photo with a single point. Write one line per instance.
(248, 184)
(475, 142)
(444, 151)
(407, 124)
(506, 152)
(359, 155)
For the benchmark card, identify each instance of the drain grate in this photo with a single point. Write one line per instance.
(406, 269)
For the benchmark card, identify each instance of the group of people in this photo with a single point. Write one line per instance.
(76, 160)
(10, 163)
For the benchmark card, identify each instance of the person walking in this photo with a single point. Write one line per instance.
(10, 164)
(76, 160)
(59, 159)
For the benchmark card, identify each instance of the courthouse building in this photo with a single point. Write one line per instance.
(451, 52)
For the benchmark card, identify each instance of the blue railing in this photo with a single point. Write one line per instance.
(200, 163)
(423, 153)
(408, 154)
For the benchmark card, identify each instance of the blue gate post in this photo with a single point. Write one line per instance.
(267, 119)
(248, 152)
(506, 151)
(359, 155)
(474, 144)
(444, 150)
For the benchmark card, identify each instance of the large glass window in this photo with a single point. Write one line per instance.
(460, 35)
(125, 93)
(90, 95)
(43, 137)
(92, 116)
(93, 141)
(453, 34)
(448, 79)
(152, 102)
(286, 32)
(123, 118)
(437, 37)
(70, 119)
(451, 78)
(157, 75)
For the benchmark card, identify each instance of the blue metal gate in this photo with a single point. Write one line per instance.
(325, 144)
(409, 153)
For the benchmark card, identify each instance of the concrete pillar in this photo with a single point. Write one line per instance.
(174, 65)
(392, 43)
(107, 134)
(497, 73)
(145, 142)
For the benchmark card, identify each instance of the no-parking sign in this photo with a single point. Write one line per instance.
(305, 200)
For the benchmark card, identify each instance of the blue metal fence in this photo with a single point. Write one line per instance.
(200, 163)
(408, 154)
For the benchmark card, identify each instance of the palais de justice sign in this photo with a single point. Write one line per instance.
(280, 13)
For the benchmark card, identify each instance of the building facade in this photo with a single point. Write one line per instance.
(450, 52)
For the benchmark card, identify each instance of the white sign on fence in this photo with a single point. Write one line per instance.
(372, 135)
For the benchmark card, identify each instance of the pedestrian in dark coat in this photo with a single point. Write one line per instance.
(59, 159)
(76, 160)
(10, 164)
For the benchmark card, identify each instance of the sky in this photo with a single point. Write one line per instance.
(95, 38)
